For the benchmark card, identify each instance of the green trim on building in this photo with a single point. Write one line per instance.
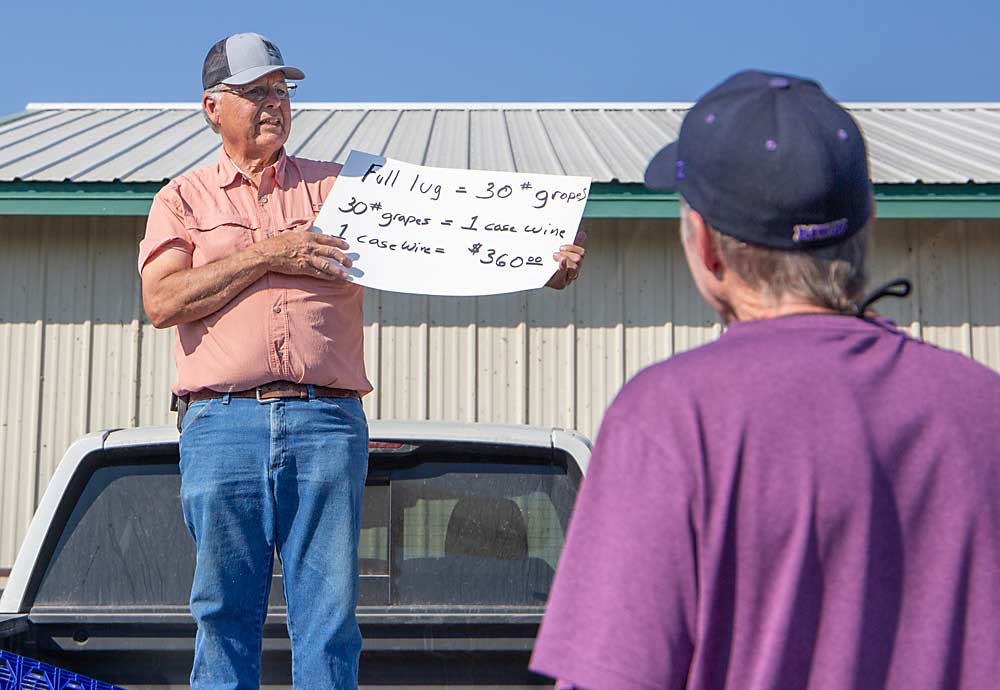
(614, 200)
(927, 201)
(607, 200)
(77, 198)
(937, 200)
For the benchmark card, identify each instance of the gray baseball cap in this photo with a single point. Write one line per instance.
(242, 58)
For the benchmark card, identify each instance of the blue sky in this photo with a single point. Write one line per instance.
(884, 50)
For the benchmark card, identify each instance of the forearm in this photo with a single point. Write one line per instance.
(194, 293)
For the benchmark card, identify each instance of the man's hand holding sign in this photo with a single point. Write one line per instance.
(441, 231)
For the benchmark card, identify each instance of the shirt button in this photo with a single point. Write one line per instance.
(276, 310)
(263, 200)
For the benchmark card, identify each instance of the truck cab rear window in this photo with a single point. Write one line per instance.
(438, 529)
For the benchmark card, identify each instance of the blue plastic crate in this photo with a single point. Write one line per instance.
(20, 673)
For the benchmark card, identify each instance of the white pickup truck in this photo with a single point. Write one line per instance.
(461, 530)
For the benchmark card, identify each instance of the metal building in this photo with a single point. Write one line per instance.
(76, 181)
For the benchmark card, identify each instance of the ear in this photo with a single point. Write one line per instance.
(703, 243)
(211, 106)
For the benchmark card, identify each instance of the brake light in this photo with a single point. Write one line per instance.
(385, 445)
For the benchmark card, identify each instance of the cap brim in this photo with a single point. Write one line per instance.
(255, 73)
(661, 173)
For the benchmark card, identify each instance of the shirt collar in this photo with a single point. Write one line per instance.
(281, 170)
(227, 172)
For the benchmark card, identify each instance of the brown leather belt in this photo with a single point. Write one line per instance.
(274, 390)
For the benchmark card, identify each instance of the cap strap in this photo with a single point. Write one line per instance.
(900, 287)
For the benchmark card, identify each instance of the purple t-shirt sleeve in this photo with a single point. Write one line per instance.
(622, 609)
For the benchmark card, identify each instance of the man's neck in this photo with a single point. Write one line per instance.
(253, 166)
(751, 305)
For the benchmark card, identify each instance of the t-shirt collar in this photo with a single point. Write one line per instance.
(810, 321)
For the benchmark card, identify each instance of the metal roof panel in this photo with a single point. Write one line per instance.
(448, 145)
(328, 140)
(530, 143)
(149, 142)
(489, 141)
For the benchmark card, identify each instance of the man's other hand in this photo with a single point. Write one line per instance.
(570, 258)
(303, 252)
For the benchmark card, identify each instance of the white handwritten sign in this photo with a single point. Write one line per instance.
(441, 231)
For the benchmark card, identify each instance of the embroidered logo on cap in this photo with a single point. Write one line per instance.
(820, 231)
(273, 51)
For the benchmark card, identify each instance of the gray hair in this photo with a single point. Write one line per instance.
(833, 277)
(213, 93)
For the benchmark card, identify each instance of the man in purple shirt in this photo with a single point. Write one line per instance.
(813, 500)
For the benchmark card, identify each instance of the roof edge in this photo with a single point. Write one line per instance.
(375, 105)
(13, 117)
(498, 105)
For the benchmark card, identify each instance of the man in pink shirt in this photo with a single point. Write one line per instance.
(269, 355)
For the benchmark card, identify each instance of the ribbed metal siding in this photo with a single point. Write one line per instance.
(79, 355)
(69, 337)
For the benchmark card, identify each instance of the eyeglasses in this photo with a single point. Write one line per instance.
(259, 93)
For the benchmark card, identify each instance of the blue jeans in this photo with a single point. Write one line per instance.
(260, 475)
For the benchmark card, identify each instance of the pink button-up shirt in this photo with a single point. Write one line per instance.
(282, 327)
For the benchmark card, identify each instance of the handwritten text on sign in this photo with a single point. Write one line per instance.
(441, 231)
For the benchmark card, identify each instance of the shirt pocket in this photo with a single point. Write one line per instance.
(296, 224)
(218, 235)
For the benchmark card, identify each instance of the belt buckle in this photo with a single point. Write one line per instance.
(299, 395)
(261, 400)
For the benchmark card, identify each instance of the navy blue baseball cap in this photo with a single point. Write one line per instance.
(772, 160)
